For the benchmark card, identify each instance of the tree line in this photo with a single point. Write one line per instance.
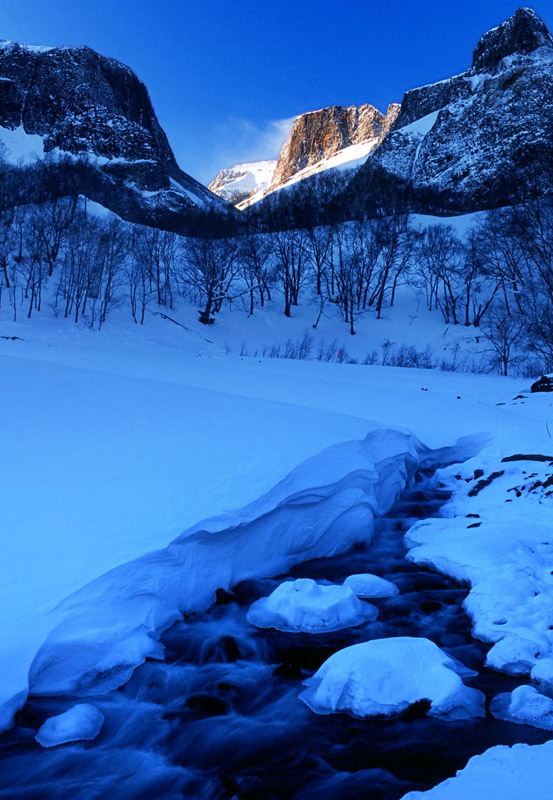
(498, 278)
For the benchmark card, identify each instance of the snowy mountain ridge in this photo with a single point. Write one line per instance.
(237, 183)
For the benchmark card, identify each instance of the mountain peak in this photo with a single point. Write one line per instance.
(522, 33)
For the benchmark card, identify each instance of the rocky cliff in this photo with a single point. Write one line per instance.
(478, 140)
(95, 119)
(333, 137)
(320, 134)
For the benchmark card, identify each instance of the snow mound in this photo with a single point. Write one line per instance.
(501, 773)
(542, 674)
(80, 722)
(367, 585)
(526, 706)
(386, 676)
(323, 507)
(306, 606)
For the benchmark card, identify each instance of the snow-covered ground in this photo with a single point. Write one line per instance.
(113, 443)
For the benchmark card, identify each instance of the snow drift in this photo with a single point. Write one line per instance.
(323, 507)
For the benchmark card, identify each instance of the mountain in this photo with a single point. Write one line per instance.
(91, 123)
(238, 183)
(330, 138)
(477, 140)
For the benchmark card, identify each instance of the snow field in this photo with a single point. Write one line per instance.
(137, 434)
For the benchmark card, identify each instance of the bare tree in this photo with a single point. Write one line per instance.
(505, 335)
(290, 264)
(254, 252)
(439, 264)
(210, 266)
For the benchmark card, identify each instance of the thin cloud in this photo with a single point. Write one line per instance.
(241, 140)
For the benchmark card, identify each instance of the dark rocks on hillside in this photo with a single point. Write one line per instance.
(521, 34)
(98, 113)
(544, 384)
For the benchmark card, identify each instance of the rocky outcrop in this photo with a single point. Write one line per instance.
(478, 140)
(320, 134)
(521, 34)
(97, 114)
(319, 141)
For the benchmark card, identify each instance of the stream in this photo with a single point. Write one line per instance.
(220, 717)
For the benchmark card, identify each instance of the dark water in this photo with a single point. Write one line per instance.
(220, 718)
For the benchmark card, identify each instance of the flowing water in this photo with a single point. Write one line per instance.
(220, 717)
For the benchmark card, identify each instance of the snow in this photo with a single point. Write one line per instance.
(542, 674)
(365, 585)
(505, 553)
(139, 432)
(309, 607)
(249, 177)
(20, 147)
(524, 705)
(501, 773)
(321, 508)
(81, 722)
(385, 676)
(33, 48)
(421, 126)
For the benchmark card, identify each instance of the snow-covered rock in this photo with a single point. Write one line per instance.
(526, 706)
(367, 585)
(81, 722)
(542, 674)
(333, 138)
(90, 121)
(309, 607)
(386, 676)
(507, 558)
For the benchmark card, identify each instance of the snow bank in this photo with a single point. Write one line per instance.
(81, 722)
(366, 585)
(386, 676)
(309, 607)
(321, 508)
(498, 539)
(501, 773)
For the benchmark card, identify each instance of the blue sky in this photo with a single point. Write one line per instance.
(226, 75)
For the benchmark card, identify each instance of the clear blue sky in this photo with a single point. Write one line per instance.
(224, 74)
